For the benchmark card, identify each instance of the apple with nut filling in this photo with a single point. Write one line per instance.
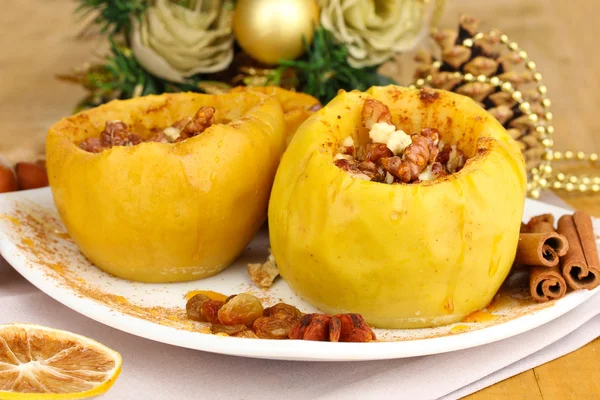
(401, 205)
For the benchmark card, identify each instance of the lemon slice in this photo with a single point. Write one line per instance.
(44, 363)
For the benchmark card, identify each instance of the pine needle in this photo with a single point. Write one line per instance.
(113, 16)
(324, 69)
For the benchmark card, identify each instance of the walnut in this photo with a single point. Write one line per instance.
(422, 151)
(92, 144)
(264, 274)
(373, 112)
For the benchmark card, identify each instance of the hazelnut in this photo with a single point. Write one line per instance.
(8, 181)
(31, 175)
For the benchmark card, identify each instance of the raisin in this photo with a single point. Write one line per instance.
(349, 150)
(444, 155)
(335, 329)
(344, 164)
(354, 328)
(272, 327)
(299, 328)
(230, 297)
(242, 309)
(248, 334)
(283, 311)
(210, 310)
(438, 170)
(318, 329)
(193, 307)
(228, 329)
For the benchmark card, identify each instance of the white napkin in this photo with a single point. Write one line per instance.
(156, 371)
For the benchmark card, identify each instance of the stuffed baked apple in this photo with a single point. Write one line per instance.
(166, 188)
(400, 205)
(297, 106)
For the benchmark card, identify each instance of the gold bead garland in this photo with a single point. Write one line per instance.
(575, 183)
(541, 176)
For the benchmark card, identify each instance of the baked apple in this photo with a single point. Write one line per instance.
(297, 106)
(166, 188)
(400, 205)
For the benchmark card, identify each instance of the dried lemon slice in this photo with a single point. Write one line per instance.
(44, 363)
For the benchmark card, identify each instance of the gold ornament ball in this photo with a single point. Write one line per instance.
(271, 30)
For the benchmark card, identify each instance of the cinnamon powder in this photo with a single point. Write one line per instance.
(46, 244)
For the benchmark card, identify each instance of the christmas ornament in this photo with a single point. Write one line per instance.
(273, 30)
(498, 74)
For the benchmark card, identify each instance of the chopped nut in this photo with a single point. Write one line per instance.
(116, 133)
(172, 133)
(374, 112)
(263, 275)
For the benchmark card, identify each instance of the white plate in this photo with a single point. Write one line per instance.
(34, 242)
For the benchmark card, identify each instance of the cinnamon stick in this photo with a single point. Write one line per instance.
(540, 244)
(580, 266)
(546, 284)
(542, 220)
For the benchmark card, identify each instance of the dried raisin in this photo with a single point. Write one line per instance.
(193, 307)
(272, 327)
(210, 310)
(228, 329)
(242, 309)
(283, 311)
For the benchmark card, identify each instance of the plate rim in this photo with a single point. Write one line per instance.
(283, 349)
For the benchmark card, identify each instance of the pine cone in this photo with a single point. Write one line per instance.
(488, 58)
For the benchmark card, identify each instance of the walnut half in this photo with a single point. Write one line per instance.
(264, 274)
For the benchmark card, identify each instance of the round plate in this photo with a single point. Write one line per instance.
(35, 243)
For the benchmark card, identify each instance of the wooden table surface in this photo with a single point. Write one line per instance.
(38, 40)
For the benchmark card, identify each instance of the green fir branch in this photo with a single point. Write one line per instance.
(113, 16)
(121, 77)
(124, 76)
(324, 69)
